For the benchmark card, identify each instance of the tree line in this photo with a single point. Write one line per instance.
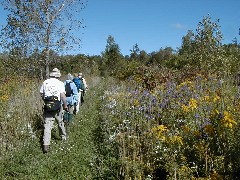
(31, 43)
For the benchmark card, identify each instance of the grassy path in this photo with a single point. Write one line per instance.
(71, 159)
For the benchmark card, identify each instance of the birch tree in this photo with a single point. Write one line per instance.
(42, 25)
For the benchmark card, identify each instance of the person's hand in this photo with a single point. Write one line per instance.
(65, 107)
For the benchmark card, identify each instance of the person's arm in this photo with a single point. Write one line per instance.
(42, 91)
(64, 99)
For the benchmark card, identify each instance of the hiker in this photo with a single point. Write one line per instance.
(52, 92)
(85, 87)
(80, 75)
(80, 87)
(72, 98)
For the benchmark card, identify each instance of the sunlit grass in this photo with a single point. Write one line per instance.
(21, 153)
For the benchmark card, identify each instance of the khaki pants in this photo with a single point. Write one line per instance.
(49, 118)
(79, 102)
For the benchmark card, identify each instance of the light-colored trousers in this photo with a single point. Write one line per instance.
(79, 101)
(49, 118)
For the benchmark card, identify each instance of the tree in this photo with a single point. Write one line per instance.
(42, 24)
(203, 50)
(207, 54)
(111, 56)
(187, 43)
(232, 52)
(135, 51)
(161, 56)
(143, 56)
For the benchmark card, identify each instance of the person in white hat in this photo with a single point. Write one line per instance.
(52, 92)
(80, 75)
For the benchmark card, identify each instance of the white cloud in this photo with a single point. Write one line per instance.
(178, 26)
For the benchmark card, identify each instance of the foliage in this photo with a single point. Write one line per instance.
(78, 63)
(112, 57)
(167, 118)
(162, 56)
(135, 51)
(203, 50)
(2, 69)
(232, 55)
(127, 69)
(40, 25)
(187, 43)
(18, 114)
(178, 130)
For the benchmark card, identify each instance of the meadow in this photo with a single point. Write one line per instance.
(184, 128)
(166, 114)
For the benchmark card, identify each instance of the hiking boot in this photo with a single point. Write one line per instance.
(45, 148)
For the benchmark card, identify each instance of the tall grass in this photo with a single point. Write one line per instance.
(179, 130)
(20, 111)
(21, 155)
(185, 130)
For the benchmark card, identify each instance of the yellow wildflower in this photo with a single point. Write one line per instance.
(160, 128)
(206, 98)
(229, 125)
(185, 108)
(158, 131)
(136, 102)
(187, 82)
(216, 98)
(228, 120)
(176, 139)
(4, 97)
(193, 103)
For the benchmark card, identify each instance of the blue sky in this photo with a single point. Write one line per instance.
(152, 24)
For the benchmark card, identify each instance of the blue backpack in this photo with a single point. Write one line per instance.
(79, 83)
